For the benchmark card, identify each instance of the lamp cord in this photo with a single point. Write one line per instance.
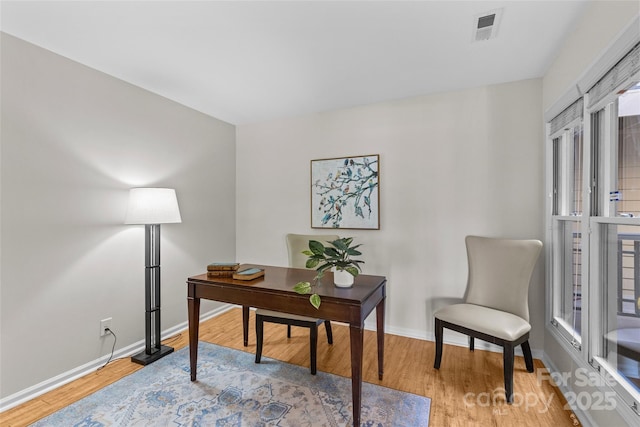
(115, 339)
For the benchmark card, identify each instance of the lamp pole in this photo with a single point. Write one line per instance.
(153, 349)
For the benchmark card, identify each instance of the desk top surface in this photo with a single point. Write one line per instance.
(283, 279)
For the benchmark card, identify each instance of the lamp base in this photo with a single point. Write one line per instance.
(143, 358)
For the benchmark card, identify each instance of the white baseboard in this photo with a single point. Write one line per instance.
(66, 377)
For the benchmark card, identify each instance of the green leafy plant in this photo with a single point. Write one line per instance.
(338, 254)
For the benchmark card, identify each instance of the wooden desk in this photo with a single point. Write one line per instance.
(275, 292)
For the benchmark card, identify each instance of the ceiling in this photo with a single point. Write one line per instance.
(245, 62)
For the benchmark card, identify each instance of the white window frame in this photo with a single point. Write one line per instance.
(597, 224)
(627, 405)
(597, 311)
(557, 258)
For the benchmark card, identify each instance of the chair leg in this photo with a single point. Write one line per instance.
(259, 337)
(471, 343)
(245, 325)
(288, 331)
(439, 332)
(507, 359)
(528, 359)
(327, 326)
(313, 347)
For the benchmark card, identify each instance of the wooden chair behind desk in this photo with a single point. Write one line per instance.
(296, 243)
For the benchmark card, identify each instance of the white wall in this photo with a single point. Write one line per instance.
(601, 24)
(73, 142)
(451, 164)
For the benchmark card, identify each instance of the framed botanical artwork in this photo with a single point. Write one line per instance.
(345, 192)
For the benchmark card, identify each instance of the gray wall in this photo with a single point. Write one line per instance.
(451, 164)
(74, 141)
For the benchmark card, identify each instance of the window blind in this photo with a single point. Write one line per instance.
(616, 76)
(568, 115)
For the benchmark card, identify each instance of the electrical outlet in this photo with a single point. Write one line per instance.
(104, 325)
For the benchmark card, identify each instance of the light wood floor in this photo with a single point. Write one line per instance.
(466, 391)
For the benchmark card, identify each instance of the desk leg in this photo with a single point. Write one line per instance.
(356, 370)
(193, 308)
(380, 329)
(245, 324)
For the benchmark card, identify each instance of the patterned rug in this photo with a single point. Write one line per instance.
(232, 390)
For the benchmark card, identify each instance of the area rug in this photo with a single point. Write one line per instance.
(232, 390)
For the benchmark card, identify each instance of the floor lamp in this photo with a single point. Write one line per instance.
(152, 207)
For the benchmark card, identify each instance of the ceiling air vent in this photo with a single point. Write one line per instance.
(486, 25)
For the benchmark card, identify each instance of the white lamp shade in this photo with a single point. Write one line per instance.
(152, 206)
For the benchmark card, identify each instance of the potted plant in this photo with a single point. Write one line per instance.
(338, 257)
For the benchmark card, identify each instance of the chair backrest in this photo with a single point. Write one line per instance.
(500, 271)
(296, 243)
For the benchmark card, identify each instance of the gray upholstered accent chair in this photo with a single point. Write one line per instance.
(296, 243)
(496, 306)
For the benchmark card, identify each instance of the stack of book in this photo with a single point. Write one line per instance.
(222, 269)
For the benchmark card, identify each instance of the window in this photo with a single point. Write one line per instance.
(595, 226)
(567, 276)
(628, 170)
(567, 206)
(616, 250)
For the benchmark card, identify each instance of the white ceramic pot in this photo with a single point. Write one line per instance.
(342, 278)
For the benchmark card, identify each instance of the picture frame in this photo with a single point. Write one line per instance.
(345, 192)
